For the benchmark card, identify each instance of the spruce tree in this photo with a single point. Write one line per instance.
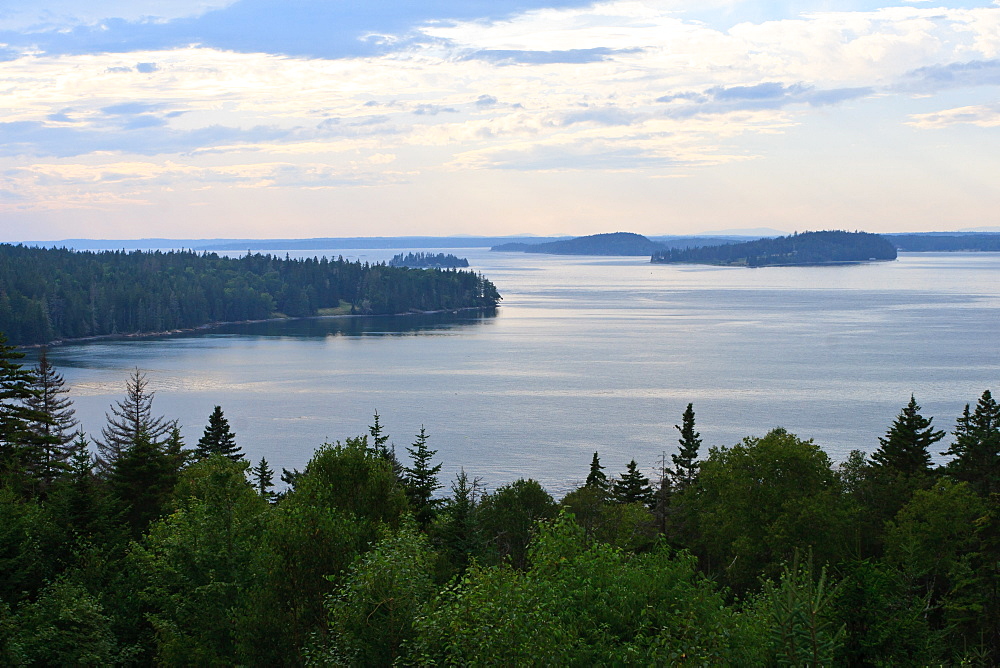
(632, 487)
(906, 446)
(596, 478)
(685, 468)
(218, 439)
(421, 479)
(977, 446)
(263, 479)
(17, 454)
(54, 427)
(386, 452)
(142, 479)
(128, 418)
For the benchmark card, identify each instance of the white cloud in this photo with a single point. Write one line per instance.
(27, 15)
(984, 116)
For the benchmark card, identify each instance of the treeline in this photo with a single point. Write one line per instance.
(50, 294)
(807, 248)
(428, 260)
(760, 554)
(919, 243)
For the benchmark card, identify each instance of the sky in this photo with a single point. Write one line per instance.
(123, 119)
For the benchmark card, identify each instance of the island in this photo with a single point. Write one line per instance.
(614, 243)
(428, 261)
(807, 248)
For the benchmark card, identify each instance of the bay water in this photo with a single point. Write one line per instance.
(585, 354)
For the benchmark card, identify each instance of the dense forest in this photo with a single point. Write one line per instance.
(50, 294)
(428, 260)
(134, 548)
(825, 247)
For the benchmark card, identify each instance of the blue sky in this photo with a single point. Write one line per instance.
(302, 118)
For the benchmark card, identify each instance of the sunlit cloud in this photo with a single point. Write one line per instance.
(984, 116)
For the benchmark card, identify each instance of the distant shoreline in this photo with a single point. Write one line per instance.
(216, 325)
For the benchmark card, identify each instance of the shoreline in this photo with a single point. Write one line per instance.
(215, 325)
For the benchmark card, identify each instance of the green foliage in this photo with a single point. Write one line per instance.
(197, 563)
(758, 501)
(141, 481)
(798, 612)
(66, 626)
(685, 461)
(456, 530)
(372, 611)
(906, 447)
(421, 480)
(632, 487)
(596, 479)
(218, 438)
(507, 519)
(263, 480)
(977, 446)
(19, 451)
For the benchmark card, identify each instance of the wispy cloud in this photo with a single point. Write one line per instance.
(984, 116)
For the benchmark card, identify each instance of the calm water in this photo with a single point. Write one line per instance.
(586, 354)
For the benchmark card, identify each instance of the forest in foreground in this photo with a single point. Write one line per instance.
(47, 294)
(132, 547)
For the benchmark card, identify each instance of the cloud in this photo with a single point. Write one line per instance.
(934, 78)
(984, 116)
(568, 56)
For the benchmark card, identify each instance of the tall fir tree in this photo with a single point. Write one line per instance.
(17, 442)
(129, 417)
(685, 468)
(218, 439)
(421, 480)
(141, 481)
(596, 479)
(905, 449)
(386, 452)
(54, 428)
(262, 476)
(632, 487)
(976, 449)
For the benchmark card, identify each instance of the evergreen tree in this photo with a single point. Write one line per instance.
(977, 446)
(596, 478)
(421, 479)
(263, 479)
(128, 418)
(686, 460)
(632, 487)
(142, 479)
(457, 528)
(218, 439)
(387, 452)
(19, 453)
(54, 427)
(906, 446)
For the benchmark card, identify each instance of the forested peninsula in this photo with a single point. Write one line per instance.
(48, 294)
(760, 553)
(807, 248)
(613, 243)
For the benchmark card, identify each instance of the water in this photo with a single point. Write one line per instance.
(585, 354)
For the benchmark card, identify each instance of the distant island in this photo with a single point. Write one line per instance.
(428, 261)
(808, 248)
(937, 242)
(615, 243)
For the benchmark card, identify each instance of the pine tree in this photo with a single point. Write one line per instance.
(218, 439)
(977, 446)
(54, 429)
(596, 478)
(263, 479)
(128, 418)
(421, 479)
(632, 486)
(141, 481)
(386, 452)
(16, 438)
(685, 468)
(906, 446)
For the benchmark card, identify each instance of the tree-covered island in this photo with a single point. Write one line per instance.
(808, 248)
(48, 294)
(613, 243)
(421, 260)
